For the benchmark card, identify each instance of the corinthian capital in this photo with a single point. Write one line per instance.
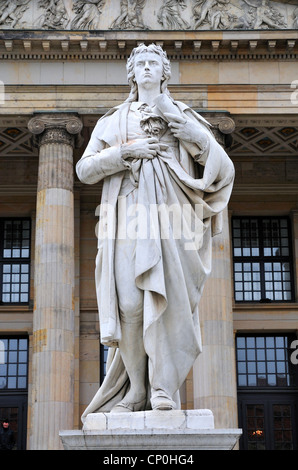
(60, 128)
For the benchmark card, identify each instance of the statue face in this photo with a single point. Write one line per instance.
(148, 69)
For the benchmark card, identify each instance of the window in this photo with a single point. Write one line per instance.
(263, 361)
(103, 362)
(13, 363)
(262, 259)
(14, 260)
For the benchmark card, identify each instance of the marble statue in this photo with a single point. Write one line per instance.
(160, 164)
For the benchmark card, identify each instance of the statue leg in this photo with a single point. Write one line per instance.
(135, 360)
(131, 346)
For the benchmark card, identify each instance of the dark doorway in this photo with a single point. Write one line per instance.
(14, 385)
(269, 421)
(267, 392)
(15, 409)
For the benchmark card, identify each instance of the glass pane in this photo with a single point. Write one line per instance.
(282, 425)
(22, 369)
(12, 369)
(12, 382)
(255, 424)
(242, 367)
(22, 382)
(251, 355)
(242, 382)
(260, 342)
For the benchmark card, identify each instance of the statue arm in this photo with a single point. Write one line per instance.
(218, 168)
(99, 161)
(93, 168)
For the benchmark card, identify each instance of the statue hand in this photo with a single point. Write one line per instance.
(184, 129)
(140, 148)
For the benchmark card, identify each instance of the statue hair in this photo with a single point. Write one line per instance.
(133, 96)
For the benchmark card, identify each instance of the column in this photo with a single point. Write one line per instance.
(53, 315)
(214, 370)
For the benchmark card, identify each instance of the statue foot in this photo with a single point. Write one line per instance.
(161, 401)
(125, 406)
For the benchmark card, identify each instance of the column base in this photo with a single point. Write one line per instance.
(151, 430)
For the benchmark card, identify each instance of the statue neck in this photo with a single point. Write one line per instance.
(148, 95)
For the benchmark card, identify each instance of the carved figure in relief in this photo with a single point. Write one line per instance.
(130, 15)
(55, 15)
(265, 15)
(88, 14)
(220, 17)
(169, 15)
(295, 16)
(12, 11)
(212, 11)
(166, 181)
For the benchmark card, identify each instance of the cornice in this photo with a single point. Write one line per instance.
(117, 45)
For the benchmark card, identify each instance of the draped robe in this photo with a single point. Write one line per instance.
(170, 276)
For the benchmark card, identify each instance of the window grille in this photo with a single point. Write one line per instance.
(15, 260)
(262, 259)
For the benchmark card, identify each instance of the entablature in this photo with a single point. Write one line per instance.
(179, 45)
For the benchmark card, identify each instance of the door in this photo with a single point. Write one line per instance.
(14, 408)
(269, 421)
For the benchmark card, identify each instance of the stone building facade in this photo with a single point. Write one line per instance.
(62, 67)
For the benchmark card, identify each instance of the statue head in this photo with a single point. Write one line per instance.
(130, 67)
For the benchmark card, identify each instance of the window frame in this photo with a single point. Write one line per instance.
(261, 259)
(292, 369)
(17, 375)
(11, 261)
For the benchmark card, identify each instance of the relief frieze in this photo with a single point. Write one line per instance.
(139, 15)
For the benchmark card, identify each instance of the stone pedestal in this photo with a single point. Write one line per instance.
(151, 430)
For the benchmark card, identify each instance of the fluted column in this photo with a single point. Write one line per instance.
(53, 316)
(214, 371)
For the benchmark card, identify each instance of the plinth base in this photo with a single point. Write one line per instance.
(151, 430)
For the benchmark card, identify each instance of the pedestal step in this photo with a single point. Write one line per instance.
(151, 430)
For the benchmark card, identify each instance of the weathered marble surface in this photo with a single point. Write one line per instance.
(148, 15)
